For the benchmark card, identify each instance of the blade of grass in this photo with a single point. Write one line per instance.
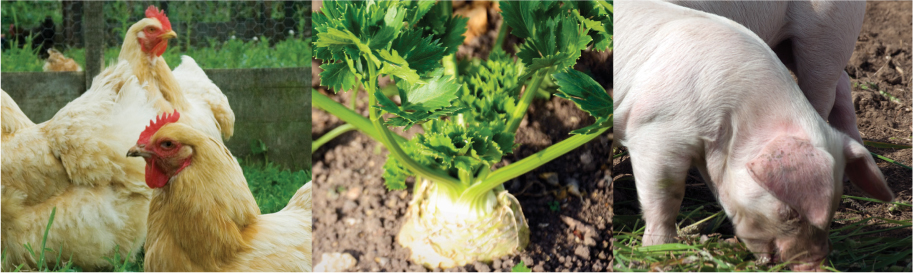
(885, 145)
(890, 160)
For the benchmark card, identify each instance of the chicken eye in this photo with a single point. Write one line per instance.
(167, 145)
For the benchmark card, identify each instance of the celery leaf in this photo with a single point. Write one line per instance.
(588, 95)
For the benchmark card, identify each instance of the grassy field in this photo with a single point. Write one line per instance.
(272, 188)
(231, 54)
(857, 242)
(120, 15)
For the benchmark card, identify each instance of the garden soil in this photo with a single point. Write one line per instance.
(354, 213)
(880, 63)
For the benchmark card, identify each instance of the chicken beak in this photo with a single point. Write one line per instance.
(169, 35)
(138, 151)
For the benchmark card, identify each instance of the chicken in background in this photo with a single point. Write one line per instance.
(56, 62)
(203, 216)
(75, 161)
(187, 89)
(42, 37)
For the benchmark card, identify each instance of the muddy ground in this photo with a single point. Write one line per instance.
(880, 63)
(354, 213)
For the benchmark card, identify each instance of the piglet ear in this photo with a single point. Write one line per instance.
(862, 171)
(797, 174)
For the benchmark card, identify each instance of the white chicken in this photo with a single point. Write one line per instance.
(76, 163)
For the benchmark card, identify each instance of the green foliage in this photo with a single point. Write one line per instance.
(588, 95)
(554, 206)
(884, 145)
(23, 59)
(520, 267)
(384, 33)
(490, 88)
(123, 264)
(231, 54)
(272, 186)
(421, 102)
(41, 255)
(597, 16)
(120, 15)
(454, 149)
(555, 33)
(439, 24)
(857, 245)
(29, 14)
(258, 147)
(468, 119)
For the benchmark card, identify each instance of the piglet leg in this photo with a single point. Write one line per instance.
(843, 115)
(660, 177)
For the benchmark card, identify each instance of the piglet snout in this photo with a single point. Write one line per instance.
(808, 266)
(809, 258)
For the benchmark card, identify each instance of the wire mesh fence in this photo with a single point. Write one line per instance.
(233, 34)
(256, 52)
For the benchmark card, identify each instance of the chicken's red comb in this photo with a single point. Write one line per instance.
(155, 125)
(153, 12)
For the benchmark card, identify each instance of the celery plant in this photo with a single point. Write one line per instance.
(460, 213)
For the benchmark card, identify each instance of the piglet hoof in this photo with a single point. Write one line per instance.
(657, 239)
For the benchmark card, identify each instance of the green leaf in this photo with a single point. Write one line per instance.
(338, 77)
(395, 175)
(395, 65)
(520, 267)
(452, 38)
(543, 48)
(588, 95)
(334, 37)
(877, 144)
(491, 87)
(437, 93)
(519, 16)
(418, 9)
(597, 16)
(421, 102)
(422, 53)
(407, 120)
(339, 39)
(442, 25)
(257, 147)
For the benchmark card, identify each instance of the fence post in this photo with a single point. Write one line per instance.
(94, 37)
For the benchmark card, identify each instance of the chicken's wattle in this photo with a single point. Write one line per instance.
(155, 177)
(154, 46)
(160, 48)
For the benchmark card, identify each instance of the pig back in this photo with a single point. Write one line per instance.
(768, 27)
(691, 70)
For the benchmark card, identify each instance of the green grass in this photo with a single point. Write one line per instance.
(272, 187)
(231, 54)
(29, 14)
(856, 245)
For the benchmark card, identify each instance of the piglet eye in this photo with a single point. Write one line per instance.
(167, 145)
